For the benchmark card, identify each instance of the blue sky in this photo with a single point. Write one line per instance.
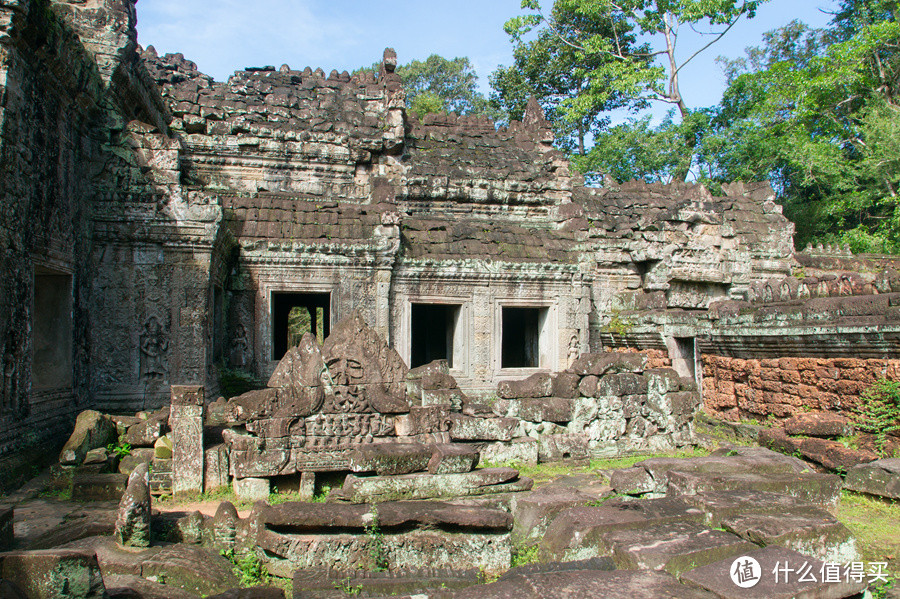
(228, 35)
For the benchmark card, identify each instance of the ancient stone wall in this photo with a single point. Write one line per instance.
(734, 388)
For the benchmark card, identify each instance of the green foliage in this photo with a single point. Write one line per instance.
(233, 382)
(322, 495)
(121, 449)
(440, 84)
(346, 588)
(525, 555)
(878, 412)
(248, 568)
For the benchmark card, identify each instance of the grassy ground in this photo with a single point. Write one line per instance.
(876, 524)
(545, 472)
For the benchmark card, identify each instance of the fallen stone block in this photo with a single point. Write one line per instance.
(717, 577)
(555, 448)
(252, 489)
(746, 459)
(718, 506)
(467, 428)
(645, 584)
(46, 573)
(674, 547)
(138, 455)
(191, 568)
(126, 586)
(146, 432)
(809, 531)
(604, 564)
(390, 458)
(133, 517)
(818, 424)
(452, 458)
(251, 593)
(777, 440)
(535, 510)
(577, 533)
(321, 583)
(819, 489)
(114, 560)
(92, 430)
(428, 486)
(422, 420)
(881, 478)
(834, 455)
(631, 481)
(98, 487)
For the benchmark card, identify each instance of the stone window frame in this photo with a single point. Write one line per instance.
(548, 340)
(462, 339)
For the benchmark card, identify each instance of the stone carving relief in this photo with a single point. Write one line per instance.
(240, 348)
(154, 350)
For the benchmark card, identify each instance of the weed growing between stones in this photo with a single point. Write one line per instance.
(377, 553)
(322, 495)
(248, 569)
(878, 412)
(121, 449)
(524, 555)
(346, 588)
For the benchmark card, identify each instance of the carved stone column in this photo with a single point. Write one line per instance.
(186, 422)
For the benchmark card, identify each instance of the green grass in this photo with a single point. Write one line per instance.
(875, 523)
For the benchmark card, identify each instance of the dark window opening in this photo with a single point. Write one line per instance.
(520, 337)
(433, 330)
(294, 314)
(52, 326)
(684, 358)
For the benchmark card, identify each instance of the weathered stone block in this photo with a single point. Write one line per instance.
(714, 578)
(622, 384)
(418, 582)
(133, 517)
(428, 486)
(631, 481)
(191, 568)
(600, 364)
(545, 409)
(390, 458)
(422, 420)
(216, 472)
(449, 398)
(881, 478)
(162, 448)
(98, 487)
(518, 451)
(674, 547)
(51, 572)
(810, 531)
(589, 583)
(536, 385)
(138, 455)
(92, 430)
(588, 386)
(535, 510)
(186, 422)
(565, 385)
(452, 458)
(819, 489)
(818, 424)
(467, 428)
(566, 446)
(145, 433)
(252, 489)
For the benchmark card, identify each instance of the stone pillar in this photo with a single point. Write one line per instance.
(186, 422)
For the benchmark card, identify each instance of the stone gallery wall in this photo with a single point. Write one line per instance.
(734, 388)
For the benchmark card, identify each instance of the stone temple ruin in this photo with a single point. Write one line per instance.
(467, 305)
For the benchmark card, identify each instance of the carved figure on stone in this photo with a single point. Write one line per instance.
(154, 347)
(240, 347)
(365, 373)
(573, 348)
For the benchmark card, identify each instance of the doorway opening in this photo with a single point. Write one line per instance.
(51, 366)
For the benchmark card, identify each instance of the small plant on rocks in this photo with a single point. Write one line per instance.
(879, 412)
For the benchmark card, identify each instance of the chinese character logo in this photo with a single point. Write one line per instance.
(745, 572)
